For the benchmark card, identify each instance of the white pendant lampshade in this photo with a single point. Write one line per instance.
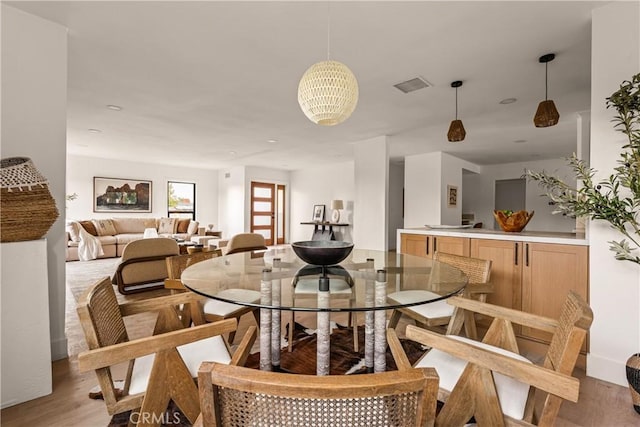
(328, 93)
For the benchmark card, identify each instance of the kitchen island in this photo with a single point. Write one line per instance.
(531, 271)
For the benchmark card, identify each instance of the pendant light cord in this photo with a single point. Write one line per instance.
(456, 103)
(328, 30)
(546, 80)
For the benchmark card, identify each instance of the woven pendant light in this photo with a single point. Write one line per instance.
(328, 93)
(456, 129)
(328, 90)
(546, 114)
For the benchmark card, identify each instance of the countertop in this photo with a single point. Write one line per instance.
(485, 233)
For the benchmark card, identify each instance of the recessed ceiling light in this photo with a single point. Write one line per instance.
(94, 130)
(508, 101)
(233, 153)
(114, 107)
(272, 141)
(519, 141)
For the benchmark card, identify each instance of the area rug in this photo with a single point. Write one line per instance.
(344, 360)
(302, 360)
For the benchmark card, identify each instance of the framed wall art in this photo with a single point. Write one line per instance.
(121, 195)
(452, 196)
(318, 213)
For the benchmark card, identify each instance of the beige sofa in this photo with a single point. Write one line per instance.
(115, 233)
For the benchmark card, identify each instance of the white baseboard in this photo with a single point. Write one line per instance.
(605, 369)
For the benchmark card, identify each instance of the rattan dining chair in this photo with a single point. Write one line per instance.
(159, 367)
(209, 310)
(439, 313)
(490, 380)
(237, 396)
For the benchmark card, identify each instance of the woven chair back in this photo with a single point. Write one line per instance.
(246, 396)
(106, 320)
(177, 264)
(477, 270)
(574, 323)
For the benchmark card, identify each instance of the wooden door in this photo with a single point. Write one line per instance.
(550, 271)
(506, 269)
(280, 214)
(263, 196)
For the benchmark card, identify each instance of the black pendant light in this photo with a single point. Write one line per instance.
(546, 114)
(456, 129)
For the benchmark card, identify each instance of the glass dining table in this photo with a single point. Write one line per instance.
(360, 283)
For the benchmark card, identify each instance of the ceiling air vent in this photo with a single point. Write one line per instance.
(412, 85)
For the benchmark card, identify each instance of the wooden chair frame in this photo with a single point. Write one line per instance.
(214, 376)
(475, 393)
(479, 272)
(194, 312)
(169, 379)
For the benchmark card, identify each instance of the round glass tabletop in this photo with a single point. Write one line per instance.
(408, 280)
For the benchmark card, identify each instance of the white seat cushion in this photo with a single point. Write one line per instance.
(211, 350)
(221, 308)
(511, 393)
(431, 310)
(310, 286)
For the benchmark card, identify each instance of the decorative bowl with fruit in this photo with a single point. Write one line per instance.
(512, 221)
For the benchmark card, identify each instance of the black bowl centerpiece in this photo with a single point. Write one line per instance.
(322, 252)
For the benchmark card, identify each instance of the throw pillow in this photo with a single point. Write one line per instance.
(167, 225)
(193, 227)
(73, 229)
(104, 227)
(89, 227)
(183, 225)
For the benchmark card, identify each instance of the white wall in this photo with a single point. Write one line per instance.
(427, 177)
(371, 193)
(318, 186)
(396, 187)
(231, 196)
(422, 184)
(614, 285)
(34, 119)
(451, 170)
(479, 194)
(81, 170)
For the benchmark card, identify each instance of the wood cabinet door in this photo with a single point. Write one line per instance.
(506, 269)
(452, 245)
(416, 244)
(550, 271)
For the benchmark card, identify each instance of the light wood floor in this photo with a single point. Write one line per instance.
(601, 403)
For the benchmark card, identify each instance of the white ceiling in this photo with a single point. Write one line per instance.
(207, 84)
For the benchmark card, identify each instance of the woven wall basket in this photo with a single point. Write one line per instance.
(27, 210)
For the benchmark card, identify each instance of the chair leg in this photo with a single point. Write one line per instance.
(353, 322)
(395, 318)
(292, 325)
(232, 334)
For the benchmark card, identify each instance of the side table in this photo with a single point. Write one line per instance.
(324, 230)
(204, 240)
